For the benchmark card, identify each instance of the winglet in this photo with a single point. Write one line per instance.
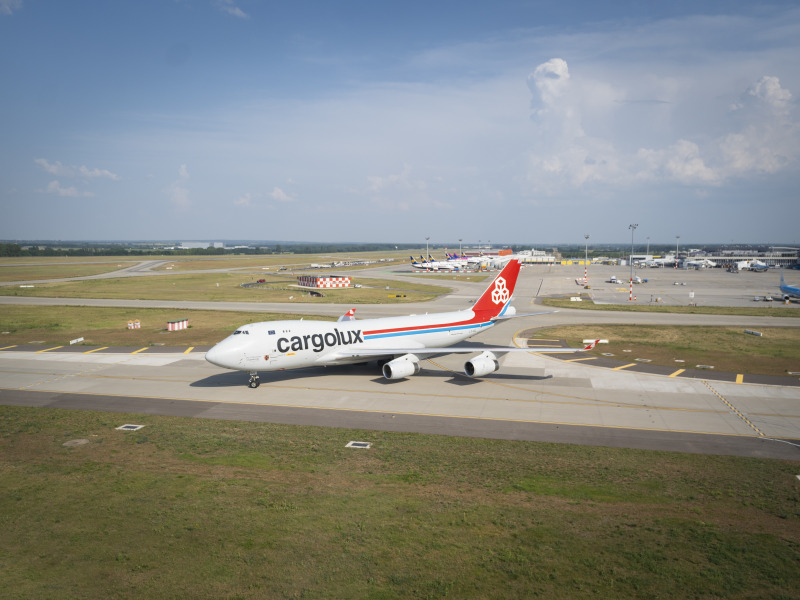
(350, 315)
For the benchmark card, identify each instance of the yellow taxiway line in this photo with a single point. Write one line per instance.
(140, 350)
(624, 366)
(96, 350)
(189, 349)
(48, 349)
(678, 372)
(7, 347)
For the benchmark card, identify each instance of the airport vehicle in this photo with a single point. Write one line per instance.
(399, 342)
(613, 279)
(789, 291)
(433, 265)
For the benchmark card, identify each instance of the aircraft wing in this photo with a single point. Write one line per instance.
(423, 352)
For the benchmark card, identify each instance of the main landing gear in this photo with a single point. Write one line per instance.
(254, 381)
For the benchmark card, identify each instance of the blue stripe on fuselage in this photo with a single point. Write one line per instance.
(422, 331)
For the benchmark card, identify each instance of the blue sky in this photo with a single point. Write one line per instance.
(523, 122)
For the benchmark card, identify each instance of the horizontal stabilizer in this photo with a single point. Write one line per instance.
(507, 316)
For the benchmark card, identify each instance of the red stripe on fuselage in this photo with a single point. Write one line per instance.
(475, 320)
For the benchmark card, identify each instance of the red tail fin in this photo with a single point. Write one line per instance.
(497, 296)
(591, 345)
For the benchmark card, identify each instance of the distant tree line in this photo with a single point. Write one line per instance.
(43, 249)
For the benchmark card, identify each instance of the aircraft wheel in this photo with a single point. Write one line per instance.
(254, 380)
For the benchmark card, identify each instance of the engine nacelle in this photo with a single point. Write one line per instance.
(405, 366)
(481, 365)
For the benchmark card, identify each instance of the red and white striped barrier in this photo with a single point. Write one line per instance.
(323, 282)
(177, 325)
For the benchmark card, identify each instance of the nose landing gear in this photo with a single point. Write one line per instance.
(254, 380)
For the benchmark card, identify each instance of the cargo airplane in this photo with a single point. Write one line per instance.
(399, 342)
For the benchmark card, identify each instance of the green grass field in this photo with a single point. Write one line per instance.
(225, 287)
(728, 349)
(101, 326)
(745, 311)
(35, 272)
(196, 508)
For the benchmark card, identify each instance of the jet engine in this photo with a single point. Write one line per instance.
(405, 366)
(481, 365)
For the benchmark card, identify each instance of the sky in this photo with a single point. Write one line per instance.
(510, 121)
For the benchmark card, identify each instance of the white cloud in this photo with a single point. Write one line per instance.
(7, 7)
(83, 171)
(54, 187)
(281, 196)
(565, 107)
(550, 80)
(768, 89)
(245, 200)
(229, 7)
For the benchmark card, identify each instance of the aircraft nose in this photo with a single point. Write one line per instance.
(223, 355)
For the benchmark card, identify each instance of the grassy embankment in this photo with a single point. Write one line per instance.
(209, 509)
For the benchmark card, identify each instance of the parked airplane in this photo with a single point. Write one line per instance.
(700, 263)
(455, 259)
(660, 262)
(752, 265)
(789, 291)
(401, 341)
(433, 265)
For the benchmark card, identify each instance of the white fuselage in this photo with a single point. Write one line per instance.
(277, 345)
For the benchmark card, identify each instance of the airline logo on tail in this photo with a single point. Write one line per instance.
(500, 293)
(495, 299)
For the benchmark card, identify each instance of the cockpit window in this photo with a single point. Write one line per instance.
(238, 331)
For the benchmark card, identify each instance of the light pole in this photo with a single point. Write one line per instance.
(632, 227)
(427, 259)
(586, 261)
(459, 247)
(677, 237)
(647, 254)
